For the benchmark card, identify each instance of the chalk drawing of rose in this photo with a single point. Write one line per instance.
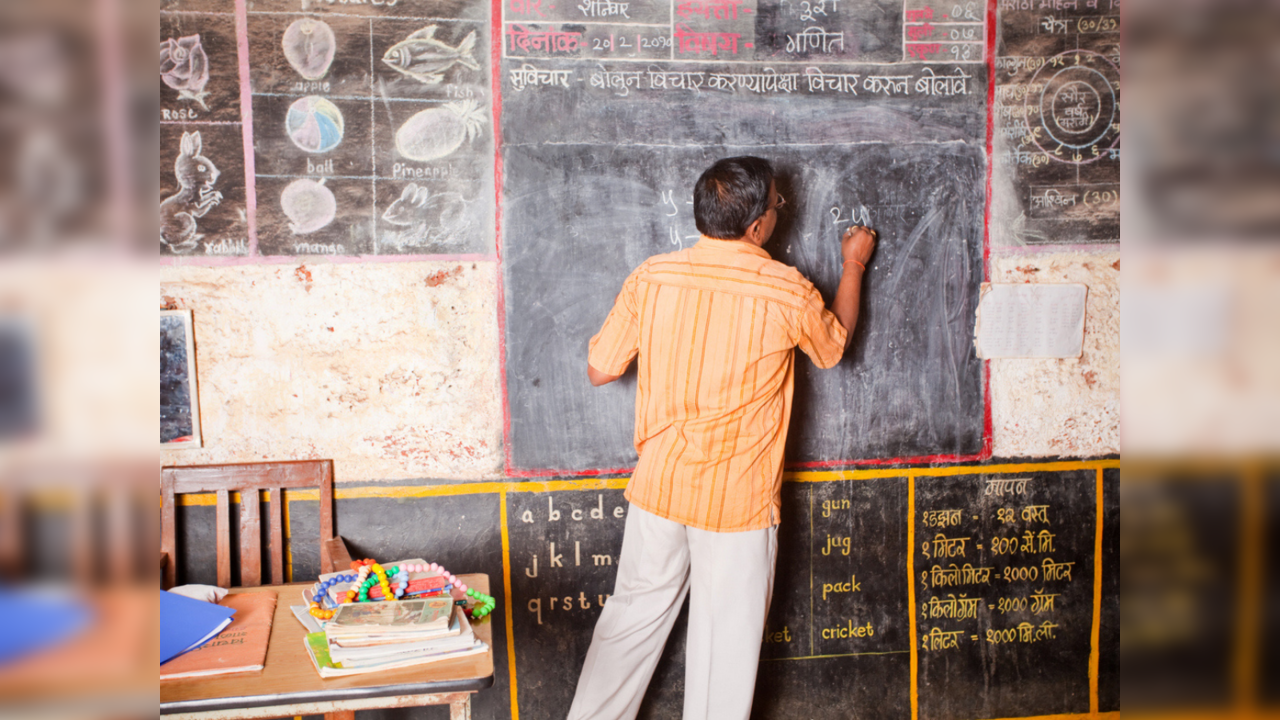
(185, 67)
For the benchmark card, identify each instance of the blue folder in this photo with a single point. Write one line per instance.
(186, 624)
(35, 620)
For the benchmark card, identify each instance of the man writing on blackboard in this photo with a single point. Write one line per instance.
(714, 328)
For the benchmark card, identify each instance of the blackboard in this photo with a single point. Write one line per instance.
(201, 213)
(179, 400)
(854, 595)
(368, 131)
(841, 627)
(1004, 569)
(1057, 123)
(599, 160)
(1176, 519)
(18, 379)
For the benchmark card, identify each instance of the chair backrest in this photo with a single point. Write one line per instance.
(248, 480)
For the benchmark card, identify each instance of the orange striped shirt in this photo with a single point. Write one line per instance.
(714, 327)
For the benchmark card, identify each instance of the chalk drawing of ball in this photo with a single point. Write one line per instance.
(308, 204)
(314, 124)
(439, 131)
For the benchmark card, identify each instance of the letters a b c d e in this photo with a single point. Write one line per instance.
(554, 514)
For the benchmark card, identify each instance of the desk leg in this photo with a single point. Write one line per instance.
(460, 709)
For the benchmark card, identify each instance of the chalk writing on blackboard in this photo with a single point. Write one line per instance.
(202, 190)
(386, 113)
(1057, 120)
(1003, 576)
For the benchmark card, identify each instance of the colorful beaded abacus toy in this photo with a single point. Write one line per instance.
(369, 573)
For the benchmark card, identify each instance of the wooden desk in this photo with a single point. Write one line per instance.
(289, 684)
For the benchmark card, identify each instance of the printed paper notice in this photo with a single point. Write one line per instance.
(1031, 320)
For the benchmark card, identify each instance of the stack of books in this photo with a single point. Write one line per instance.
(373, 636)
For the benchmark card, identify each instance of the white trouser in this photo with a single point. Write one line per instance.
(732, 583)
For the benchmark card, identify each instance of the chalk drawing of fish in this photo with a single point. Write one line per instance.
(424, 58)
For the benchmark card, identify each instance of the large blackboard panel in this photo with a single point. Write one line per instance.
(799, 669)
(579, 218)
(1010, 653)
(1057, 122)
(600, 151)
(1181, 554)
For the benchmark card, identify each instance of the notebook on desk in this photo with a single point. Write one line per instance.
(186, 624)
(239, 648)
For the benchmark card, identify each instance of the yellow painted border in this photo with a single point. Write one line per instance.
(1095, 632)
(510, 616)
(288, 534)
(1249, 610)
(811, 623)
(911, 596)
(357, 492)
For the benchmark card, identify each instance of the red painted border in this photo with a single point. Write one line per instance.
(993, 30)
(495, 60)
(246, 126)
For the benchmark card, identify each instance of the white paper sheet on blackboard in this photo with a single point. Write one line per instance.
(1031, 320)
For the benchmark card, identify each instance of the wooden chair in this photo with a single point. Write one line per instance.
(109, 511)
(248, 480)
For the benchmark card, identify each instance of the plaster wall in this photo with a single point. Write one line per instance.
(390, 369)
(1062, 407)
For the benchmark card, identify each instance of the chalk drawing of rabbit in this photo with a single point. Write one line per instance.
(427, 217)
(196, 175)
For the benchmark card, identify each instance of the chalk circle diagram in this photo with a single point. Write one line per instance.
(309, 46)
(308, 204)
(1078, 108)
(314, 124)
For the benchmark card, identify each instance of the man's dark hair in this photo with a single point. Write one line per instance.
(730, 195)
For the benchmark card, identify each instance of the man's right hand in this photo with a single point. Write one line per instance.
(857, 244)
